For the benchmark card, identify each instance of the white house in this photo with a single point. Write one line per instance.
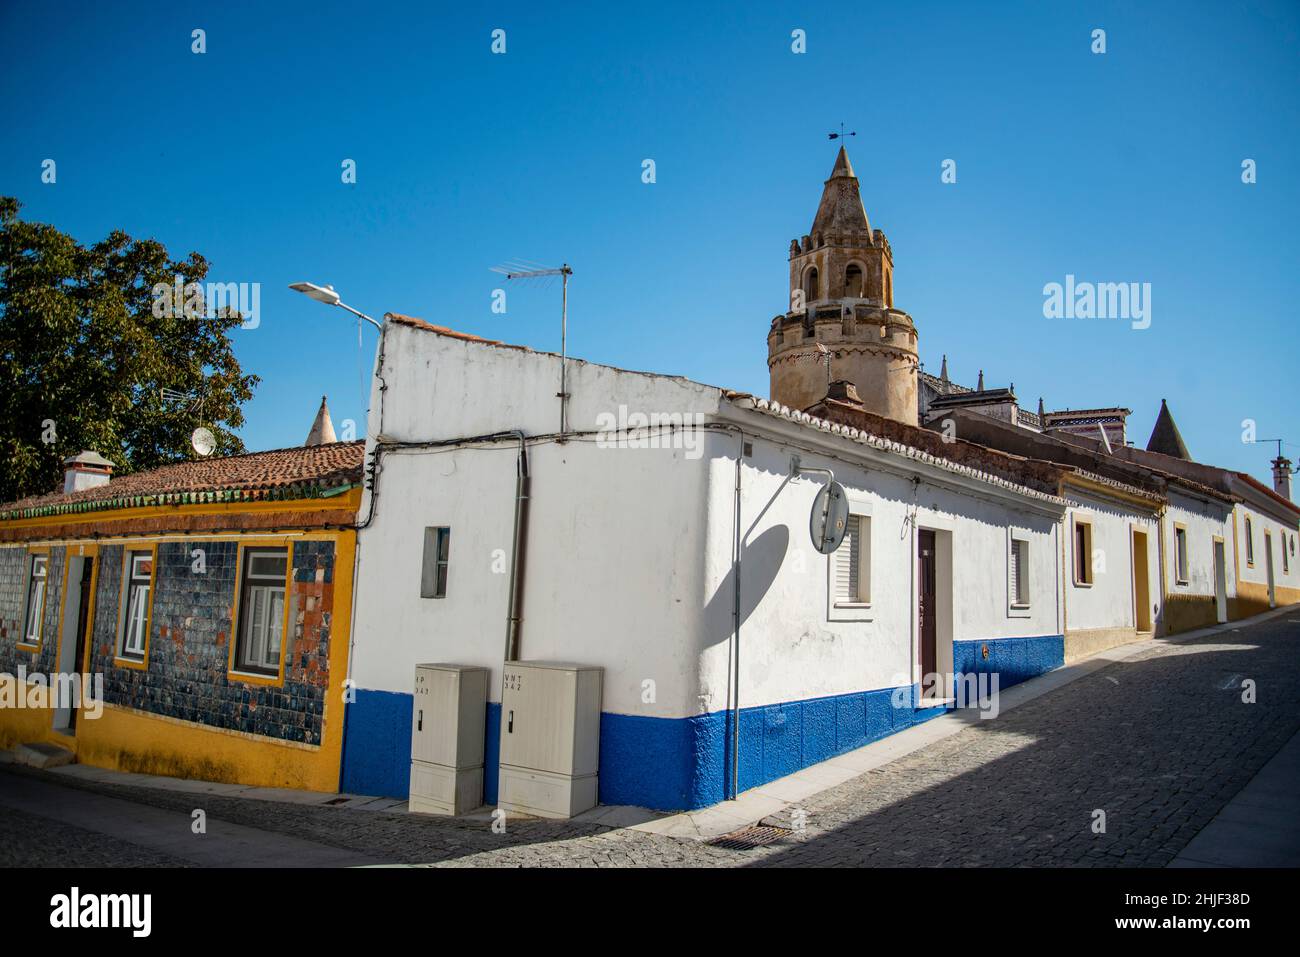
(951, 564)
(523, 507)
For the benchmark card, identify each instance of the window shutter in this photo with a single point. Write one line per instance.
(1014, 568)
(847, 559)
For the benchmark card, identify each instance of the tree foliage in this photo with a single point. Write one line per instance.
(84, 359)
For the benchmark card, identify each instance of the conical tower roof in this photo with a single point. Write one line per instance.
(1165, 437)
(322, 430)
(841, 210)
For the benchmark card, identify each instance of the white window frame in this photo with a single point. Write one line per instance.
(1023, 607)
(837, 610)
(128, 634)
(34, 599)
(253, 652)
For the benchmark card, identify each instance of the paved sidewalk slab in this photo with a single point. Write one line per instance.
(1260, 827)
(170, 832)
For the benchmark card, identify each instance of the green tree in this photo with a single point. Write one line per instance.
(85, 357)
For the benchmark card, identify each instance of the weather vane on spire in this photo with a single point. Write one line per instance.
(841, 134)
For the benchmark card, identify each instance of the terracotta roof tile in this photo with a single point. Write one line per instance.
(284, 470)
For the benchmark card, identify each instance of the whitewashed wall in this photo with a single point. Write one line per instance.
(1279, 531)
(790, 649)
(1205, 519)
(629, 562)
(616, 536)
(1108, 602)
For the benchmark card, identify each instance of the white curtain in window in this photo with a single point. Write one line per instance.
(135, 619)
(35, 608)
(264, 626)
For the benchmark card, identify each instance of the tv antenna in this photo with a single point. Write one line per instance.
(1279, 449)
(201, 439)
(822, 354)
(524, 270)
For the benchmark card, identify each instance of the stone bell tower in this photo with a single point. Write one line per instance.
(842, 305)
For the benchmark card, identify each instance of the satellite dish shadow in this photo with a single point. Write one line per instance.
(760, 563)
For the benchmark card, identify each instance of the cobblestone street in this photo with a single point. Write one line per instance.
(1159, 742)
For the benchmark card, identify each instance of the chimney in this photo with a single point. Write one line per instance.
(87, 470)
(841, 390)
(1282, 477)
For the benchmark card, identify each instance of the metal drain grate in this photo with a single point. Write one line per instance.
(748, 838)
(338, 800)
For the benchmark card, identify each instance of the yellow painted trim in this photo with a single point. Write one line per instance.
(22, 644)
(131, 740)
(1161, 625)
(1074, 548)
(120, 637)
(1187, 540)
(233, 674)
(1088, 485)
(211, 535)
(88, 638)
(1236, 551)
(347, 501)
(63, 609)
(1134, 530)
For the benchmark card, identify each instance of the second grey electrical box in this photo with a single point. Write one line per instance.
(447, 722)
(550, 737)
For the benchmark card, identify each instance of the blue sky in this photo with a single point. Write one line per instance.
(1121, 167)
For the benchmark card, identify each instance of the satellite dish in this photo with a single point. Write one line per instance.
(203, 441)
(830, 518)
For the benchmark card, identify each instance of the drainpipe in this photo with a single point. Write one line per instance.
(514, 605)
(913, 644)
(735, 617)
(1062, 581)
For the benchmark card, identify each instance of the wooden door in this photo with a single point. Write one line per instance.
(927, 609)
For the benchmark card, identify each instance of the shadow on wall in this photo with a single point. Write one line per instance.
(760, 563)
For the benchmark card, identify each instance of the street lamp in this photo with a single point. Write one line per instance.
(327, 295)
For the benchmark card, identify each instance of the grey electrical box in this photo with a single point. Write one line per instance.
(447, 721)
(550, 737)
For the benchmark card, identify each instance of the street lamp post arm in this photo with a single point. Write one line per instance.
(358, 313)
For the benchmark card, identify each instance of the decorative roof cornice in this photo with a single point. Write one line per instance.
(777, 410)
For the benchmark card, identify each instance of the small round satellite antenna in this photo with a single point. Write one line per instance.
(203, 441)
(830, 518)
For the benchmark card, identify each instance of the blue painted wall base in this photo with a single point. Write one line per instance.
(675, 764)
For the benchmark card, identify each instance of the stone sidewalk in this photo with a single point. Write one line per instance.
(1153, 735)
